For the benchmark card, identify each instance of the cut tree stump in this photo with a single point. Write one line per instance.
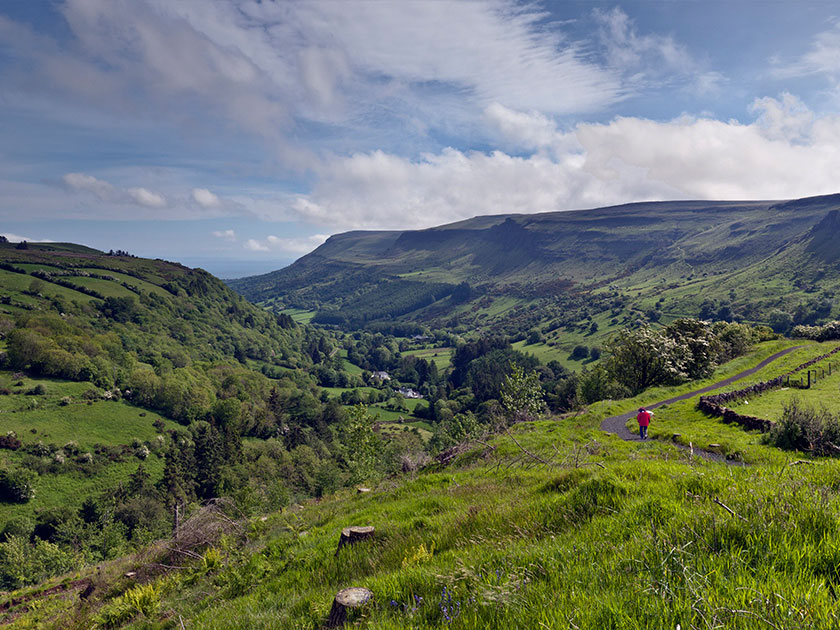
(352, 535)
(347, 599)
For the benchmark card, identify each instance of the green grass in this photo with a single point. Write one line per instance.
(394, 428)
(16, 283)
(335, 392)
(301, 316)
(822, 393)
(102, 422)
(70, 489)
(608, 534)
(350, 368)
(441, 357)
(545, 353)
(104, 287)
(44, 419)
(143, 285)
(389, 415)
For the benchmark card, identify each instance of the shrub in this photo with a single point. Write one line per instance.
(23, 563)
(10, 441)
(580, 352)
(806, 429)
(142, 599)
(17, 485)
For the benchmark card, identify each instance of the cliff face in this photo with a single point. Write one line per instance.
(582, 249)
(825, 238)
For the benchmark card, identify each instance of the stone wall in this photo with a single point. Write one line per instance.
(715, 405)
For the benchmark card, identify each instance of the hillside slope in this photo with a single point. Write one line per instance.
(176, 314)
(624, 258)
(600, 534)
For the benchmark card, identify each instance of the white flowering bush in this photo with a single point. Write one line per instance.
(17, 485)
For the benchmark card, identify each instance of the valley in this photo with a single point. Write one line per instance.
(459, 409)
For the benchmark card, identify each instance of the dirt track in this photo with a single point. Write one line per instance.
(616, 424)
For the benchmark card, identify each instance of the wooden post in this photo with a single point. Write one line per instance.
(352, 535)
(347, 599)
(177, 519)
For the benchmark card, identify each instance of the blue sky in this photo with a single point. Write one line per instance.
(237, 135)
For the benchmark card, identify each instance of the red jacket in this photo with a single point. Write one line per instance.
(644, 418)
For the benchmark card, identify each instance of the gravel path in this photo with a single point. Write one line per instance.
(616, 424)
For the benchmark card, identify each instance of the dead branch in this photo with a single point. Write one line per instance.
(725, 507)
(527, 452)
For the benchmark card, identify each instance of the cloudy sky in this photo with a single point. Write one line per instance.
(237, 135)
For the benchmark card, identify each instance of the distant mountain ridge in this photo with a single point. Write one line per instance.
(555, 253)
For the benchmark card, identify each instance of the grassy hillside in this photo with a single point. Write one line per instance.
(162, 310)
(132, 389)
(558, 273)
(600, 533)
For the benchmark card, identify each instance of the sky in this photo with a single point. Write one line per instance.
(237, 135)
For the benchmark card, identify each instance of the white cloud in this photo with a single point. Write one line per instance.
(651, 60)
(291, 246)
(107, 192)
(228, 235)
(89, 183)
(822, 58)
(266, 66)
(786, 153)
(205, 198)
(17, 238)
(255, 246)
(145, 197)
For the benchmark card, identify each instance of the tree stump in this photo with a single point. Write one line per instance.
(347, 599)
(352, 535)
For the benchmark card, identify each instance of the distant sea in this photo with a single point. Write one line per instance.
(228, 269)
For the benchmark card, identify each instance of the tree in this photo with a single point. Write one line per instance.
(360, 443)
(209, 459)
(702, 344)
(780, 321)
(597, 384)
(644, 357)
(521, 396)
(580, 352)
(36, 286)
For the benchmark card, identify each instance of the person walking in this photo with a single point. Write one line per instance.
(643, 417)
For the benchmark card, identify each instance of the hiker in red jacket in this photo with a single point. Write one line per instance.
(644, 420)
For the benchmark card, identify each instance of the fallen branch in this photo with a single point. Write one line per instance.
(527, 452)
(725, 507)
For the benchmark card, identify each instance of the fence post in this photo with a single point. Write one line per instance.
(809, 379)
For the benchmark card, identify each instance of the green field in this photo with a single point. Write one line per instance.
(823, 393)
(350, 368)
(142, 285)
(440, 356)
(42, 418)
(104, 287)
(16, 283)
(301, 316)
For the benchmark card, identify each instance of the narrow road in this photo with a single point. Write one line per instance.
(616, 424)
